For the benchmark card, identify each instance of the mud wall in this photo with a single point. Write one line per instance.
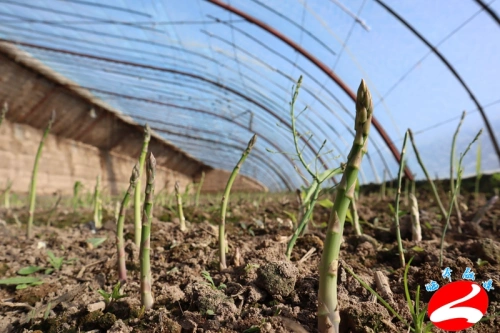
(215, 181)
(66, 161)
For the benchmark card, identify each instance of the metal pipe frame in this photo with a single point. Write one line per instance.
(321, 66)
(173, 71)
(452, 69)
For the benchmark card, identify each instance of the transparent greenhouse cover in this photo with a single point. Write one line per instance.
(207, 79)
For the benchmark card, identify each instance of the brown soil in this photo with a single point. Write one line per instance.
(259, 290)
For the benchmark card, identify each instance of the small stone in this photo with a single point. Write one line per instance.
(96, 306)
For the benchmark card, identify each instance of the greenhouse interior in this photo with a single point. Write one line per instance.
(324, 166)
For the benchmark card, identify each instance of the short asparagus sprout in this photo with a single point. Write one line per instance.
(120, 243)
(198, 190)
(75, 201)
(429, 179)
(180, 211)
(6, 195)
(328, 306)
(416, 230)
(398, 195)
(32, 192)
(5, 109)
(97, 202)
(454, 195)
(138, 188)
(114, 296)
(144, 253)
(225, 200)
(478, 171)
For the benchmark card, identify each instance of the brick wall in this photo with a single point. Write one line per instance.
(64, 162)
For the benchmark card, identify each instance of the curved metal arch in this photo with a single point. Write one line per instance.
(321, 66)
(83, 41)
(157, 68)
(216, 62)
(312, 77)
(326, 106)
(291, 79)
(452, 69)
(490, 11)
(189, 109)
(152, 101)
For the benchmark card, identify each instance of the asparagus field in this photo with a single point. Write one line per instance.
(328, 259)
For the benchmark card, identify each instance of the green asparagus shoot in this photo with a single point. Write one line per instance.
(120, 243)
(452, 163)
(32, 191)
(145, 248)
(328, 306)
(312, 193)
(138, 188)
(97, 203)
(180, 211)
(6, 195)
(398, 194)
(115, 294)
(225, 200)
(455, 191)
(478, 171)
(429, 179)
(75, 201)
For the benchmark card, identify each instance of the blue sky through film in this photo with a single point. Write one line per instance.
(411, 87)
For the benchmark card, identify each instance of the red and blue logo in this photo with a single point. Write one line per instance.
(460, 304)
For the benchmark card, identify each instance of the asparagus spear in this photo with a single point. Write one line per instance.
(137, 193)
(328, 308)
(180, 211)
(144, 253)
(32, 193)
(225, 199)
(120, 244)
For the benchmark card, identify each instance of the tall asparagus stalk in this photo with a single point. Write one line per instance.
(180, 211)
(120, 244)
(144, 253)
(32, 192)
(452, 176)
(138, 188)
(454, 194)
(225, 200)
(5, 109)
(328, 308)
(429, 179)
(312, 193)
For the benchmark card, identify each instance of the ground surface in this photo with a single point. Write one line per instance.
(259, 292)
